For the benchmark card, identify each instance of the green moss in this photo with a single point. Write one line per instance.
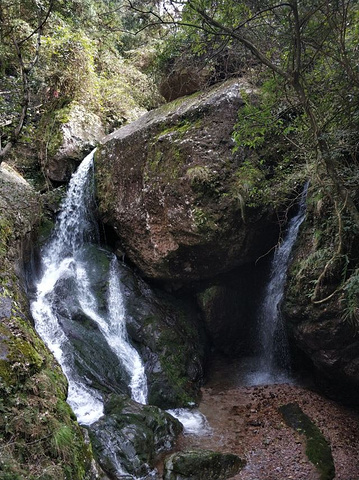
(163, 165)
(203, 221)
(6, 230)
(317, 449)
(179, 129)
(32, 402)
(208, 296)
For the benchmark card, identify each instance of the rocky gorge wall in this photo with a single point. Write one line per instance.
(173, 193)
(173, 200)
(38, 432)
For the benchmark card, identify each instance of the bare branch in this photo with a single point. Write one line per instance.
(40, 25)
(225, 31)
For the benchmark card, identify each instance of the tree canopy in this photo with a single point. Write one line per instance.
(309, 54)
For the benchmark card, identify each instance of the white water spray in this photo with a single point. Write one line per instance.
(62, 262)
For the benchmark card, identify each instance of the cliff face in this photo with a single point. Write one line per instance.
(170, 186)
(173, 191)
(321, 302)
(38, 432)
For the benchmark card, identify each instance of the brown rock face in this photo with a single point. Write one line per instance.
(168, 185)
(317, 303)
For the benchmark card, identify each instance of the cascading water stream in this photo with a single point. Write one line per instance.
(63, 262)
(273, 364)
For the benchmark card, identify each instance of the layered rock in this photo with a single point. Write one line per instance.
(169, 185)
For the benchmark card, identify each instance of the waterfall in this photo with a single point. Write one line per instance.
(64, 263)
(273, 364)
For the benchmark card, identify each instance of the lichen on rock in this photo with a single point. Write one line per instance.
(168, 186)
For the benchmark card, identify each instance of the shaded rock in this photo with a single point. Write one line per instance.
(137, 434)
(166, 330)
(229, 309)
(317, 308)
(184, 80)
(169, 186)
(202, 465)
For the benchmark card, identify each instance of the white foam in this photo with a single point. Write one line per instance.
(193, 421)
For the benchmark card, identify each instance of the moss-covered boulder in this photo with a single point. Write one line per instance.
(39, 435)
(129, 437)
(173, 189)
(202, 465)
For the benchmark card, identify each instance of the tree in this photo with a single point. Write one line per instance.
(308, 47)
(22, 24)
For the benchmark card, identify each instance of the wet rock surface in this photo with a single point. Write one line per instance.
(167, 332)
(130, 436)
(246, 421)
(163, 328)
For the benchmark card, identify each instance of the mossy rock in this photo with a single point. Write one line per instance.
(202, 465)
(317, 447)
(137, 434)
(173, 189)
(39, 435)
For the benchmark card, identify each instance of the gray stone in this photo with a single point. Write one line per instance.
(202, 465)
(80, 135)
(129, 436)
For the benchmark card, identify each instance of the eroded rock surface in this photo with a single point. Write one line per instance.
(130, 436)
(169, 186)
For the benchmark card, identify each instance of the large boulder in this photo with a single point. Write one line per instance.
(129, 437)
(169, 186)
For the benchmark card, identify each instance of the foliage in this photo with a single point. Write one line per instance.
(74, 57)
(351, 300)
(306, 52)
